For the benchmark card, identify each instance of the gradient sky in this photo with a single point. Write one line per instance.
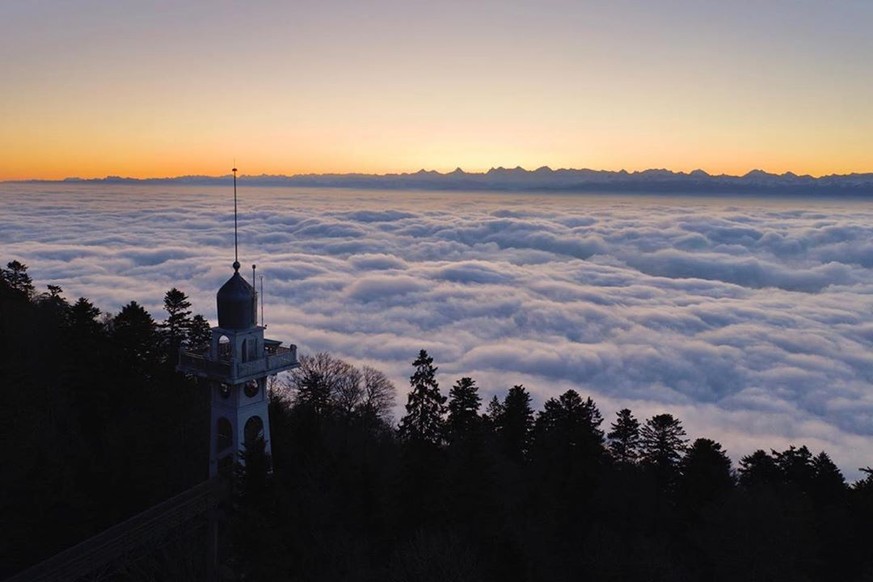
(160, 88)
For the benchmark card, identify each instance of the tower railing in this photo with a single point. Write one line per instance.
(276, 360)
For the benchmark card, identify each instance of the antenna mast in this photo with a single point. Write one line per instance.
(262, 302)
(235, 239)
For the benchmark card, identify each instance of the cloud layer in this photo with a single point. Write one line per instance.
(751, 320)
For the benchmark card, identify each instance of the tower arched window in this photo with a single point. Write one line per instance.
(254, 429)
(224, 348)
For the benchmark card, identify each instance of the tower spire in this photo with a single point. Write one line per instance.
(235, 237)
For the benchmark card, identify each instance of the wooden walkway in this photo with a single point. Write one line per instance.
(127, 540)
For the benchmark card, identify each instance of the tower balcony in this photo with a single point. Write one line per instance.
(275, 359)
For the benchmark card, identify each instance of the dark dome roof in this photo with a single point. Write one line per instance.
(237, 303)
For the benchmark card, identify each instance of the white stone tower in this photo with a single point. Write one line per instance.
(236, 367)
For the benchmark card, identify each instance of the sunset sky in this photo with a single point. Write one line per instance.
(159, 88)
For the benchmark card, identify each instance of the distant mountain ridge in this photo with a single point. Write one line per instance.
(541, 179)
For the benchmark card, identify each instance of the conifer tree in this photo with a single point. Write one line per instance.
(662, 443)
(795, 464)
(515, 422)
(134, 331)
(492, 413)
(199, 334)
(15, 277)
(464, 402)
(624, 438)
(705, 473)
(828, 483)
(178, 323)
(83, 318)
(759, 469)
(569, 421)
(425, 406)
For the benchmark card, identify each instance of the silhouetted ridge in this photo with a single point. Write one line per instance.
(546, 179)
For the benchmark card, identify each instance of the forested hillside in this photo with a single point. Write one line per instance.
(97, 425)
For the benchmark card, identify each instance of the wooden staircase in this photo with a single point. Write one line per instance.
(107, 552)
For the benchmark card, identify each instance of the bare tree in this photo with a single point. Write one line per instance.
(314, 382)
(378, 394)
(329, 384)
(346, 392)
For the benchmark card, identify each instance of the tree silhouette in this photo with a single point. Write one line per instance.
(492, 413)
(83, 318)
(133, 329)
(662, 443)
(705, 474)
(758, 470)
(572, 423)
(515, 422)
(317, 383)
(199, 334)
(425, 405)
(828, 485)
(795, 465)
(567, 457)
(54, 301)
(624, 438)
(17, 280)
(178, 323)
(379, 393)
(347, 392)
(464, 402)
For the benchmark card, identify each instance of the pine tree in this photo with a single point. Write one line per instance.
(425, 406)
(133, 329)
(796, 467)
(828, 484)
(464, 402)
(83, 318)
(55, 302)
(624, 438)
(515, 422)
(569, 421)
(199, 334)
(178, 323)
(758, 470)
(17, 278)
(705, 474)
(662, 443)
(492, 413)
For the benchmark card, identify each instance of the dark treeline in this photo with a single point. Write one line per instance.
(95, 423)
(463, 490)
(97, 426)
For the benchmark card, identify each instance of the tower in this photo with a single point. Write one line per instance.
(236, 367)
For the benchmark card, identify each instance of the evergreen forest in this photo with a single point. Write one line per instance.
(98, 426)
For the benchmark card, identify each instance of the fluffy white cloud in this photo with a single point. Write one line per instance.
(751, 320)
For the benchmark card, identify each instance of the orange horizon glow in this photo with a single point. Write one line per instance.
(169, 171)
(135, 90)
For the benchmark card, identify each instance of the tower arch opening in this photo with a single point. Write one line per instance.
(225, 350)
(254, 429)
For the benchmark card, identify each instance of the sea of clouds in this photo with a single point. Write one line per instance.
(751, 320)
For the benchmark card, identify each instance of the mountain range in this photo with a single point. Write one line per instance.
(545, 179)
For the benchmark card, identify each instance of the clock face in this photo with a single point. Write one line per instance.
(251, 388)
(224, 390)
